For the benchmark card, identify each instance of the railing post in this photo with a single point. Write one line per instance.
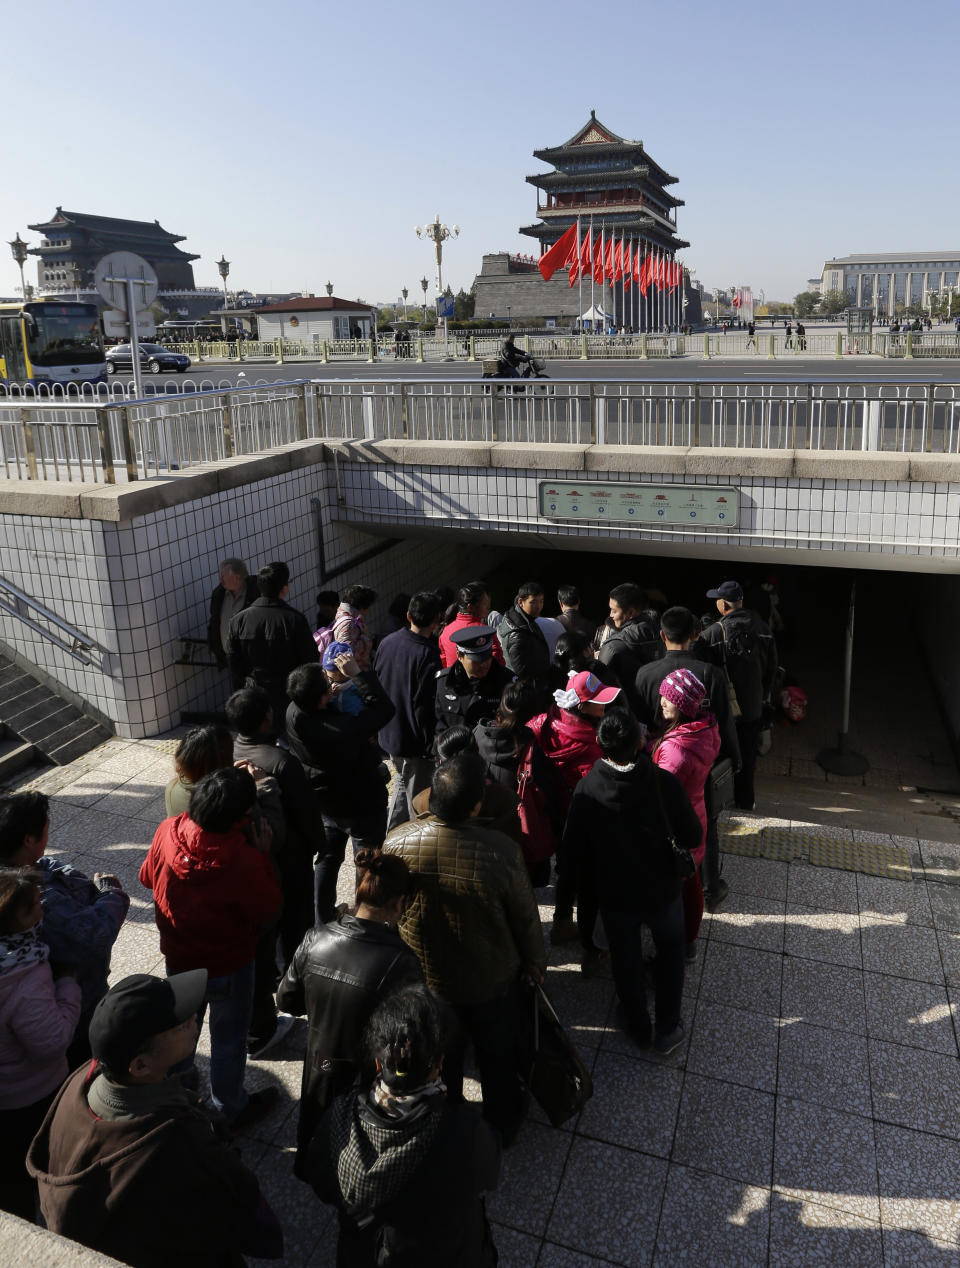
(526, 343)
(106, 448)
(29, 446)
(706, 346)
(771, 354)
(583, 346)
(593, 414)
(129, 445)
(371, 354)
(239, 349)
(279, 352)
(227, 422)
(325, 352)
(473, 348)
(301, 411)
(908, 354)
(420, 348)
(404, 425)
(643, 346)
(197, 354)
(839, 352)
(696, 406)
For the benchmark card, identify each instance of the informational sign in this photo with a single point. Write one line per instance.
(713, 505)
(116, 326)
(445, 306)
(111, 274)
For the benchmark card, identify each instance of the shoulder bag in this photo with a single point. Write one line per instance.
(548, 1062)
(735, 710)
(718, 790)
(686, 867)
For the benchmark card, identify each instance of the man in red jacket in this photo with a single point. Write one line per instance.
(214, 887)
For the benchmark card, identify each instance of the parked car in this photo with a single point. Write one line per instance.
(153, 357)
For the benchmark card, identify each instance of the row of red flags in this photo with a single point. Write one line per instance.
(609, 260)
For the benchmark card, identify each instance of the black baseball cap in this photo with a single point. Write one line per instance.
(475, 641)
(139, 1007)
(732, 591)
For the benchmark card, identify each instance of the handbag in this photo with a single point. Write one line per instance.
(548, 1062)
(718, 790)
(686, 867)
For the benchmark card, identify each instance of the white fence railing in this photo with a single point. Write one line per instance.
(132, 439)
(551, 347)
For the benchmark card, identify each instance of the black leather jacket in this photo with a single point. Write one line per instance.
(339, 974)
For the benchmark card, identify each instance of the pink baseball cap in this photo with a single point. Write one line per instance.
(589, 687)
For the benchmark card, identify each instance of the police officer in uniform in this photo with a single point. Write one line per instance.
(470, 689)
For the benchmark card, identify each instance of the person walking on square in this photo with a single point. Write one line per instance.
(407, 663)
(341, 971)
(350, 623)
(688, 748)
(214, 888)
(622, 817)
(404, 1165)
(474, 925)
(269, 639)
(236, 590)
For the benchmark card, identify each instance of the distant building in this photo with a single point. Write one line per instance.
(74, 242)
(316, 318)
(890, 282)
(597, 174)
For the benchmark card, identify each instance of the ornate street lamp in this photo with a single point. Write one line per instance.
(329, 289)
(424, 284)
(223, 264)
(404, 292)
(18, 249)
(437, 233)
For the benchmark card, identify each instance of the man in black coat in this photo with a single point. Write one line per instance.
(236, 591)
(341, 760)
(269, 639)
(407, 663)
(743, 645)
(679, 630)
(525, 648)
(635, 639)
(470, 690)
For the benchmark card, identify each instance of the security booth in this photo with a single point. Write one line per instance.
(860, 329)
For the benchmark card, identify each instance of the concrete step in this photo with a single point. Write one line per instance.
(52, 727)
(14, 756)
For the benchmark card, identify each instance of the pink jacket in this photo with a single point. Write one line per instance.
(349, 627)
(37, 1019)
(688, 751)
(570, 742)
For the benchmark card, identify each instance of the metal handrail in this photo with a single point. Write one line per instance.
(79, 643)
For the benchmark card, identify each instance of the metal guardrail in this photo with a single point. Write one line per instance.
(16, 603)
(139, 439)
(463, 346)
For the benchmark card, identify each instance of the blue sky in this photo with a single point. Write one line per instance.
(307, 142)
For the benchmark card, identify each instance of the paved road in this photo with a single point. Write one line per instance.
(717, 370)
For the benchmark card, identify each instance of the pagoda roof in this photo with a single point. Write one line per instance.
(626, 222)
(110, 226)
(598, 140)
(316, 304)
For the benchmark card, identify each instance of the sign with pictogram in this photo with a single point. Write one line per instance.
(710, 506)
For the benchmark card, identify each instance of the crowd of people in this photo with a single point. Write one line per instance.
(523, 750)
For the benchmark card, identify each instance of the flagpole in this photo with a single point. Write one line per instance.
(579, 279)
(603, 267)
(613, 282)
(592, 270)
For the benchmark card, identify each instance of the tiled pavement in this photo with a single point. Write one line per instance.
(812, 1115)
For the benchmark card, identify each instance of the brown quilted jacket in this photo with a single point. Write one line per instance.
(472, 920)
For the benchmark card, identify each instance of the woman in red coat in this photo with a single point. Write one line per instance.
(688, 748)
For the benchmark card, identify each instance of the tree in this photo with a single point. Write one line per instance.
(806, 303)
(463, 305)
(834, 302)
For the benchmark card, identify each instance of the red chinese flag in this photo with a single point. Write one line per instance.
(627, 265)
(598, 260)
(608, 261)
(646, 273)
(618, 261)
(560, 254)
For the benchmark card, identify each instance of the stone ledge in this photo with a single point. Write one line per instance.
(942, 467)
(538, 457)
(55, 498)
(425, 453)
(29, 1246)
(740, 462)
(846, 464)
(642, 459)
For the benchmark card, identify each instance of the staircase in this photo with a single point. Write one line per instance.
(37, 725)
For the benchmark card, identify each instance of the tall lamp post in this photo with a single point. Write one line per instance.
(437, 233)
(423, 285)
(404, 292)
(18, 249)
(223, 264)
(329, 289)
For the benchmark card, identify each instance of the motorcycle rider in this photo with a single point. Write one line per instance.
(510, 358)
